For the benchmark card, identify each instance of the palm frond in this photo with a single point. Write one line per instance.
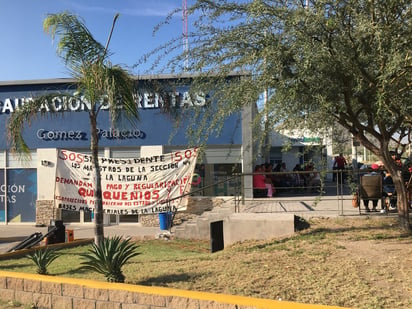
(77, 45)
(120, 89)
(24, 115)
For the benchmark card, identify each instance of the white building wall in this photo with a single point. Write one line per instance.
(291, 158)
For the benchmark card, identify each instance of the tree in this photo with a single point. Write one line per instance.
(98, 83)
(326, 61)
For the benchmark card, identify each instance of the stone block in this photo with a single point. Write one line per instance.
(123, 296)
(135, 306)
(6, 294)
(97, 294)
(62, 302)
(32, 285)
(204, 304)
(182, 302)
(42, 300)
(24, 297)
(51, 288)
(72, 290)
(108, 305)
(15, 283)
(3, 282)
(79, 303)
(153, 300)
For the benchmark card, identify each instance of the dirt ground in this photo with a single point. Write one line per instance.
(357, 263)
(364, 262)
(352, 262)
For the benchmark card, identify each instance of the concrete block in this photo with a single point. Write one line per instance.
(256, 226)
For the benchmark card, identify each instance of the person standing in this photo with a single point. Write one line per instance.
(259, 182)
(339, 164)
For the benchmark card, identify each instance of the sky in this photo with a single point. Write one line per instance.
(28, 53)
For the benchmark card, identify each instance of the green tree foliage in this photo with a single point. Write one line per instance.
(99, 83)
(42, 259)
(109, 257)
(324, 62)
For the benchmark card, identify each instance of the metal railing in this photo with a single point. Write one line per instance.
(334, 186)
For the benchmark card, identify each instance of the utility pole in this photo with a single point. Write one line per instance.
(185, 35)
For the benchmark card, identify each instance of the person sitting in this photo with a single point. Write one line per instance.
(389, 191)
(259, 183)
(286, 179)
(373, 171)
(312, 179)
(374, 205)
(298, 177)
(276, 176)
(269, 180)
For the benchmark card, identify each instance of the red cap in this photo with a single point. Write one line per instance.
(375, 166)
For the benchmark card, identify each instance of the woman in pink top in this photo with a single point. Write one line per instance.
(261, 187)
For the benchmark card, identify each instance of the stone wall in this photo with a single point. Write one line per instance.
(45, 211)
(66, 293)
(196, 206)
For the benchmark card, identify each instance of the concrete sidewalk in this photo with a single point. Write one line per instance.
(304, 206)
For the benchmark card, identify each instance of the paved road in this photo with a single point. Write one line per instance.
(13, 234)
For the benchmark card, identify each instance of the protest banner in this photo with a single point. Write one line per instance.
(130, 186)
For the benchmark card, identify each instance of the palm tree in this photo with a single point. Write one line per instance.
(97, 81)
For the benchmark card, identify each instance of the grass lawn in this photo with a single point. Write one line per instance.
(360, 263)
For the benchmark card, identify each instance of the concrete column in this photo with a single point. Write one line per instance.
(247, 150)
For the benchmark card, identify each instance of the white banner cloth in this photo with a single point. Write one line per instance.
(130, 186)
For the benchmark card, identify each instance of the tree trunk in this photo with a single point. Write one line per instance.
(402, 202)
(98, 206)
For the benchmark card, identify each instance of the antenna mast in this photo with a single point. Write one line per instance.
(185, 34)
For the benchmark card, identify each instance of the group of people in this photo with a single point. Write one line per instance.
(388, 190)
(389, 199)
(267, 178)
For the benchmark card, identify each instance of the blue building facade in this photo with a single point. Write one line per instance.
(24, 183)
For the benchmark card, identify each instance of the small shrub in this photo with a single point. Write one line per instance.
(42, 259)
(109, 257)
